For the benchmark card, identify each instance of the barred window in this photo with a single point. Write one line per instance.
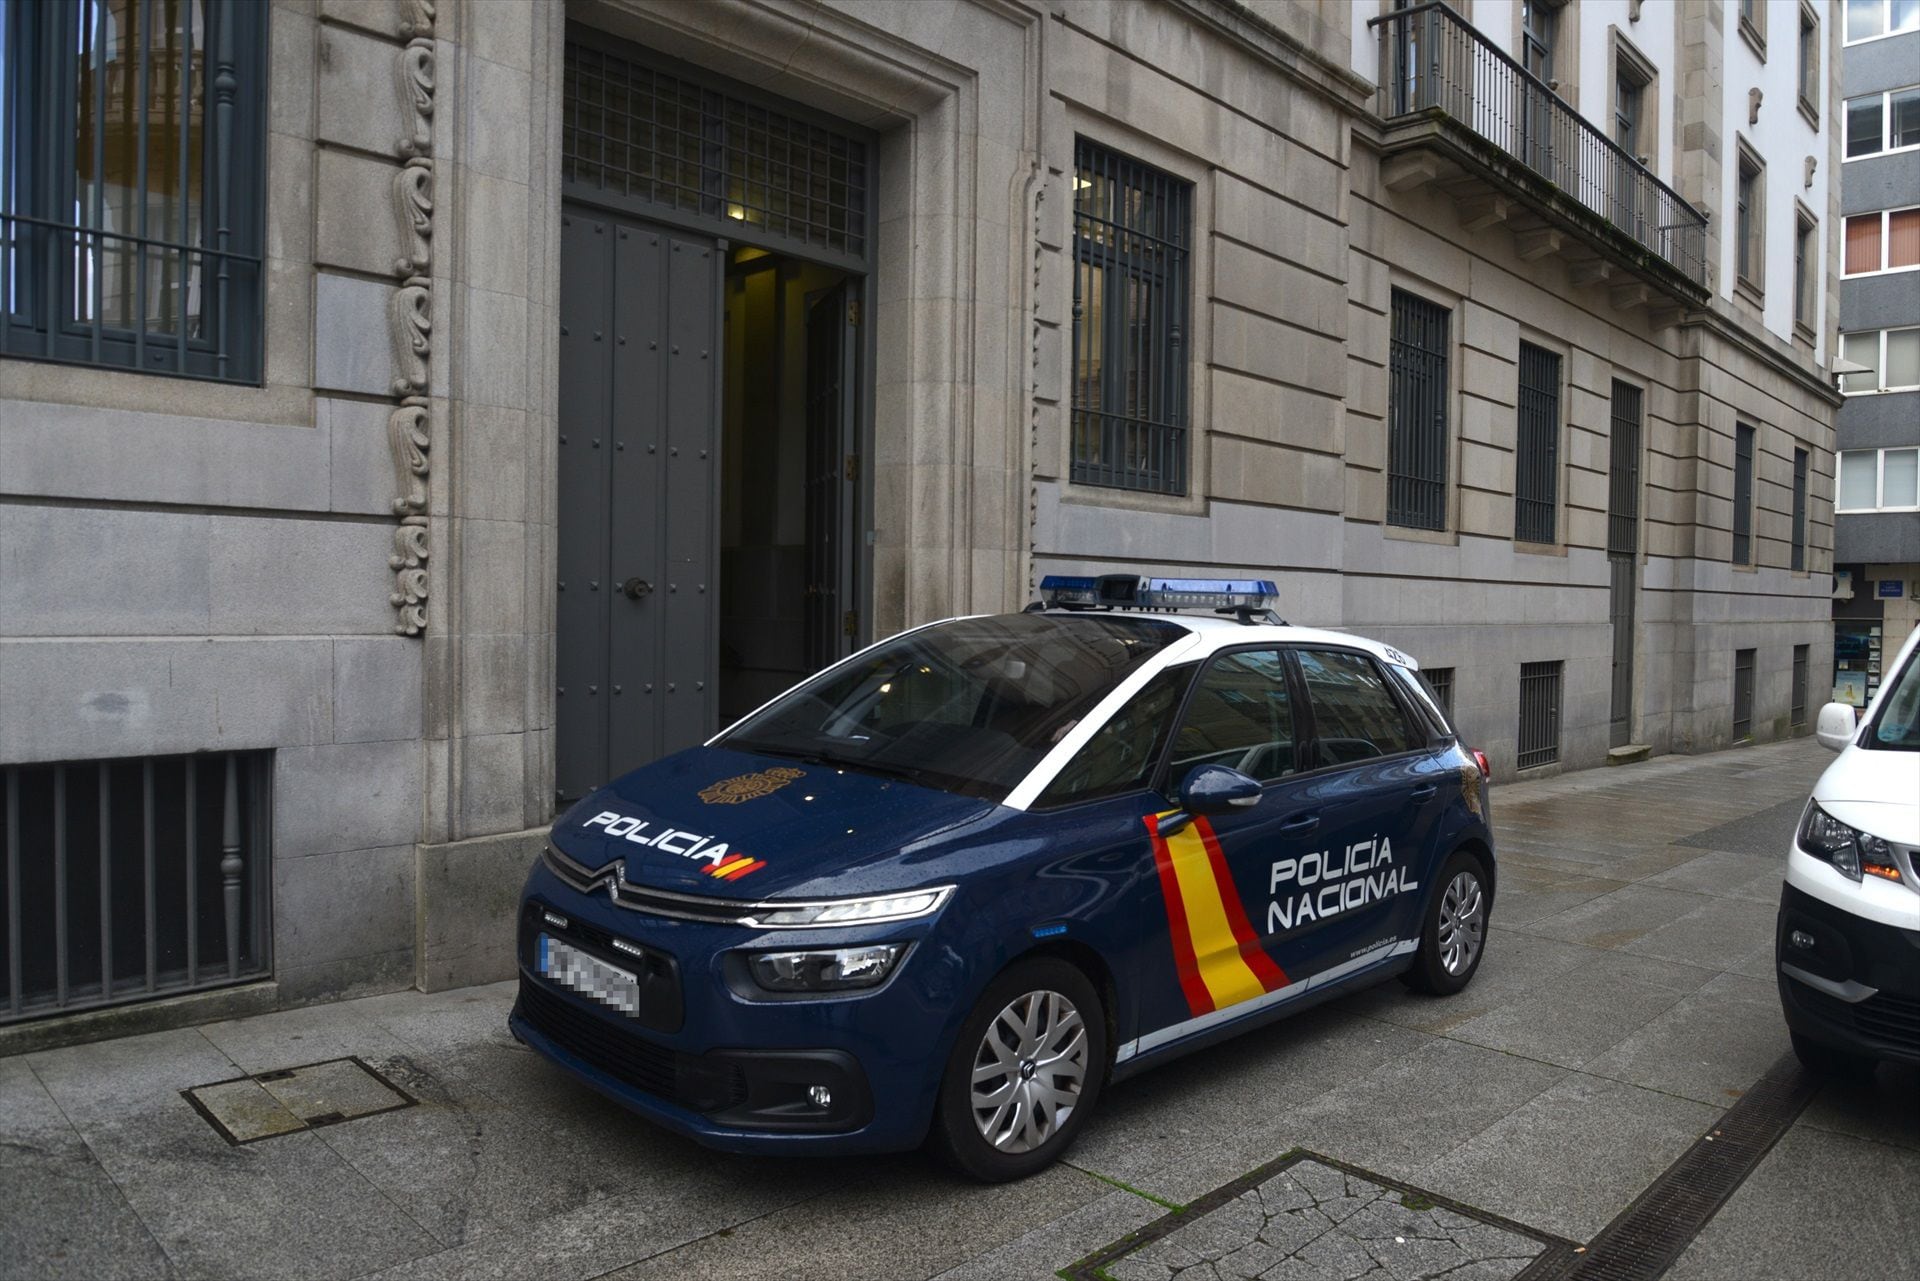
(1743, 494)
(1799, 509)
(1539, 715)
(1417, 414)
(1742, 694)
(132, 184)
(1132, 233)
(1536, 465)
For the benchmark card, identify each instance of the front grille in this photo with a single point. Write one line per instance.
(686, 1080)
(1894, 1020)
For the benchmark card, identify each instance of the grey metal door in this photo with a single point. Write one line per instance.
(832, 468)
(1623, 545)
(635, 650)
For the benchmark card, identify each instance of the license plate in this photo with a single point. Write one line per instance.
(589, 975)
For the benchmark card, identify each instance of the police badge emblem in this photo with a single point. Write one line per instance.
(747, 787)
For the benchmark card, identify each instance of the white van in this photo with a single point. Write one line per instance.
(1847, 944)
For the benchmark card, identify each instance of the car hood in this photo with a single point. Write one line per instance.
(1875, 791)
(728, 824)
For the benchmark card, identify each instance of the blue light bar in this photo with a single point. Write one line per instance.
(1058, 590)
(1208, 593)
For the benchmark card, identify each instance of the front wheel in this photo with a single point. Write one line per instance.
(1453, 934)
(1024, 1072)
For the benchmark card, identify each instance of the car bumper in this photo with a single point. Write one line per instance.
(1856, 987)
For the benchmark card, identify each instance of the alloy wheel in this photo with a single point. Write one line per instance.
(1028, 1071)
(1463, 923)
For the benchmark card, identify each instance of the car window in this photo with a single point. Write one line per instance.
(1120, 757)
(1240, 715)
(1896, 726)
(1355, 715)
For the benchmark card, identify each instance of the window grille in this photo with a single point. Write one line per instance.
(1798, 716)
(1417, 414)
(1623, 481)
(1799, 509)
(1742, 494)
(638, 132)
(1537, 459)
(133, 878)
(132, 184)
(1539, 715)
(1742, 695)
(1132, 230)
(1440, 682)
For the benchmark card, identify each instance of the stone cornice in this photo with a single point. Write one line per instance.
(1280, 50)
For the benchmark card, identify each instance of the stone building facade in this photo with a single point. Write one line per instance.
(620, 359)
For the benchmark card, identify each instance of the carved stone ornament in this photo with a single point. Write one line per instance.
(1812, 165)
(1753, 106)
(410, 322)
(1633, 10)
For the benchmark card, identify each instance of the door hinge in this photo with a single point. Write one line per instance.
(853, 311)
(851, 623)
(853, 467)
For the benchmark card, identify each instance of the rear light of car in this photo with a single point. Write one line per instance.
(1486, 766)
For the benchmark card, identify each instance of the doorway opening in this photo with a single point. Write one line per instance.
(788, 463)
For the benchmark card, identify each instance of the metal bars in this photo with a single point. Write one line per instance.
(132, 184)
(1433, 61)
(1623, 474)
(1742, 494)
(1539, 715)
(1417, 414)
(1132, 232)
(1799, 510)
(1798, 714)
(633, 130)
(105, 900)
(1536, 493)
(1742, 695)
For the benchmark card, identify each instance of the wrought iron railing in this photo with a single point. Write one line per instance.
(132, 878)
(1432, 59)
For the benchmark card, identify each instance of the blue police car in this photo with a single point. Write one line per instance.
(952, 886)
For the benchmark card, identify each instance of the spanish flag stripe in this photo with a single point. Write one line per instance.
(1225, 972)
(1199, 1001)
(724, 865)
(738, 870)
(1271, 976)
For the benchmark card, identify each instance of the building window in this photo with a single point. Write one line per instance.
(1884, 241)
(1872, 19)
(1417, 414)
(1891, 357)
(1799, 510)
(1753, 25)
(1750, 220)
(1878, 480)
(1809, 66)
(1132, 230)
(1536, 471)
(1539, 715)
(1742, 494)
(1806, 255)
(1742, 695)
(1797, 710)
(1882, 122)
(1440, 684)
(133, 184)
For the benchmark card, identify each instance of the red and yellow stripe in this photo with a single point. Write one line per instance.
(735, 866)
(1219, 960)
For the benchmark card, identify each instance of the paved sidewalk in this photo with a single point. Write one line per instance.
(1626, 1000)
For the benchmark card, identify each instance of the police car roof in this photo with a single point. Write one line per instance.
(1216, 632)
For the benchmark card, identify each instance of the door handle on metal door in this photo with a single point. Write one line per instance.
(635, 588)
(1422, 793)
(1304, 823)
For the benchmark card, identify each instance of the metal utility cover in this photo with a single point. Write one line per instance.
(283, 1101)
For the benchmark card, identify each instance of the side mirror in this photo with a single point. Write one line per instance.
(1218, 789)
(1835, 727)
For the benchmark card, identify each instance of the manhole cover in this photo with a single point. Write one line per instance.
(266, 1104)
(1306, 1215)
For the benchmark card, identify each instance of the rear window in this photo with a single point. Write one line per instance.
(1355, 716)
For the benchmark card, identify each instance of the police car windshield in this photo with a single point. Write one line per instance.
(968, 706)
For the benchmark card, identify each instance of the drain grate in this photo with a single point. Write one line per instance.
(1647, 1237)
(288, 1100)
(1309, 1215)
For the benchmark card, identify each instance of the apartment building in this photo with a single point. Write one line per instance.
(415, 412)
(1877, 498)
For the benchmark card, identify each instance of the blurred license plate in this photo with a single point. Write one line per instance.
(589, 975)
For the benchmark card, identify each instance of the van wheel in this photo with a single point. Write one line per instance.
(1453, 934)
(1024, 1074)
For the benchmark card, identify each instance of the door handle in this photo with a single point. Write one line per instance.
(635, 588)
(1422, 793)
(1303, 823)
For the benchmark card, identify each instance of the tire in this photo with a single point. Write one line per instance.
(1451, 948)
(1047, 993)
(1826, 1060)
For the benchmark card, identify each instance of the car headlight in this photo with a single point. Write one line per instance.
(852, 911)
(1850, 850)
(834, 969)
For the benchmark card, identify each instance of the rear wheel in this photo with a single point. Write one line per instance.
(1024, 1072)
(1453, 934)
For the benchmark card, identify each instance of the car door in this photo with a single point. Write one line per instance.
(1378, 790)
(1214, 873)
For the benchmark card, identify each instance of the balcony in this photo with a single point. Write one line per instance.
(1462, 115)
